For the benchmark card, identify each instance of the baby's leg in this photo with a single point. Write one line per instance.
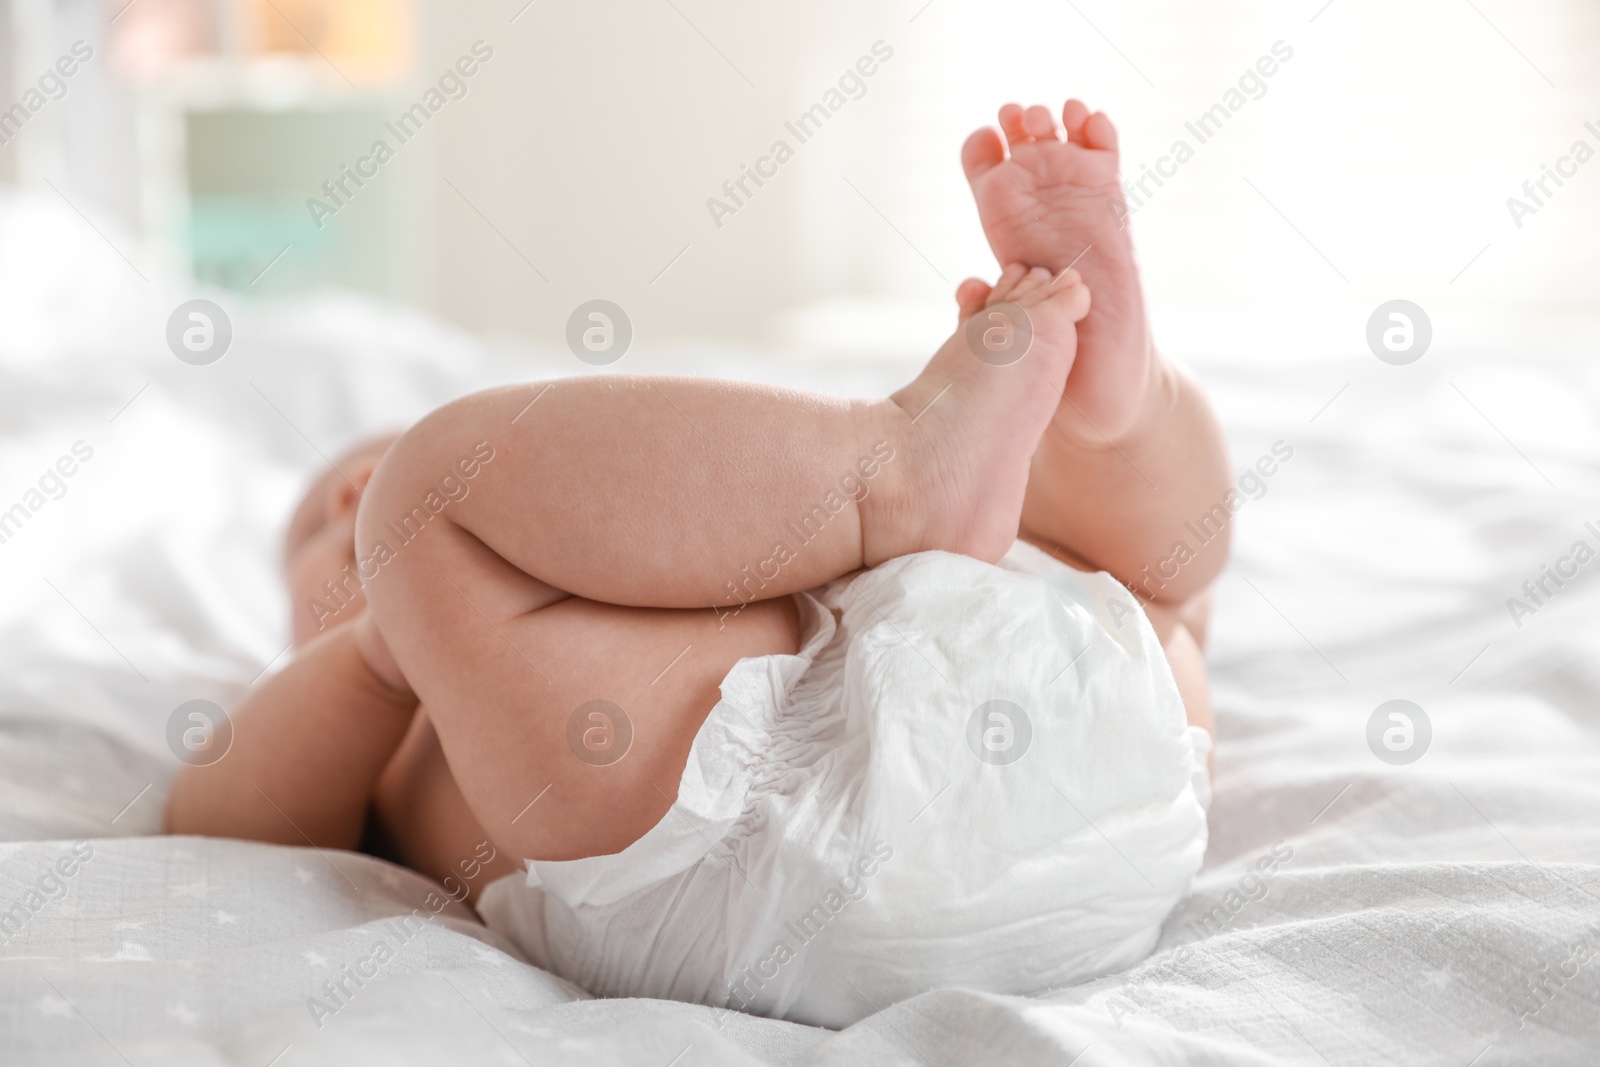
(612, 529)
(1187, 660)
(1134, 452)
(308, 744)
(662, 667)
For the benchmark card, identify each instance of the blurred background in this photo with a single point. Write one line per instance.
(577, 160)
(539, 154)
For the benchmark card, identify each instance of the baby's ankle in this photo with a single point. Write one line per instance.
(892, 497)
(1144, 420)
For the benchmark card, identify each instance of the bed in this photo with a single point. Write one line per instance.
(1352, 909)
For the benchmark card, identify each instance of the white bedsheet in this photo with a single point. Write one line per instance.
(1429, 913)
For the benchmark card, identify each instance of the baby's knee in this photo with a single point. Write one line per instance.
(429, 472)
(412, 528)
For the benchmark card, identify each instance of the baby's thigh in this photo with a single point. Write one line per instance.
(424, 822)
(566, 722)
(1187, 660)
(573, 744)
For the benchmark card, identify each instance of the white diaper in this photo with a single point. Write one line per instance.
(970, 775)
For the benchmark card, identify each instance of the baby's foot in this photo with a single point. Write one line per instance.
(1054, 201)
(972, 419)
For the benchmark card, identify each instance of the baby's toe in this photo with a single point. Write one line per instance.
(1073, 300)
(982, 152)
(1011, 124)
(1007, 282)
(1068, 277)
(1073, 115)
(1039, 123)
(1033, 286)
(1098, 132)
(971, 296)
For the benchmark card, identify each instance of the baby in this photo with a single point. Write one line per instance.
(732, 693)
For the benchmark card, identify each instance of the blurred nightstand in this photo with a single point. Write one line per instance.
(200, 128)
(231, 151)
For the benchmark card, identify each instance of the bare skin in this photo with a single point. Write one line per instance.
(1048, 194)
(618, 545)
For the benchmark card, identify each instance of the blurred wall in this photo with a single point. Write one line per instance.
(599, 132)
(1376, 163)
(8, 78)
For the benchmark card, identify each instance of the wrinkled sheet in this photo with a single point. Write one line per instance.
(1349, 910)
